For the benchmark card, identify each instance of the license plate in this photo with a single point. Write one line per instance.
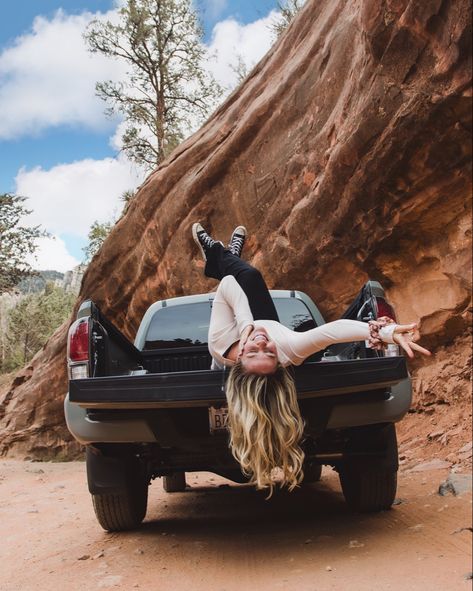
(218, 418)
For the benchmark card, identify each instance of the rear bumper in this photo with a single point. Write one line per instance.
(137, 430)
(87, 431)
(391, 410)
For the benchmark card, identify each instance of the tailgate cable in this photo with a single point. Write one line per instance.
(95, 338)
(222, 387)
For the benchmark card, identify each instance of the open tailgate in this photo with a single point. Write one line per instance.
(199, 388)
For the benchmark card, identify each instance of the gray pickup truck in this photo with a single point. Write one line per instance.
(155, 409)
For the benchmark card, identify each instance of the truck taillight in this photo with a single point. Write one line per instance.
(78, 341)
(384, 309)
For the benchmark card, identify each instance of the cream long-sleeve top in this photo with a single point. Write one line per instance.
(231, 314)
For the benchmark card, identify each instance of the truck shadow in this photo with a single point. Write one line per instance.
(219, 516)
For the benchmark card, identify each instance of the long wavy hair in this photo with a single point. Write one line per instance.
(265, 427)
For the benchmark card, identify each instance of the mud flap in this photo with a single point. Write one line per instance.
(375, 445)
(109, 474)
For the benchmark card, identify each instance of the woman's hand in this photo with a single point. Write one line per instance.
(243, 338)
(406, 336)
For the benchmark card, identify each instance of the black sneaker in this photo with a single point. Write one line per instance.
(237, 241)
(202, 239)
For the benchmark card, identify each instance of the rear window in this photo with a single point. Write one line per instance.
(187, 325)
(294, 314)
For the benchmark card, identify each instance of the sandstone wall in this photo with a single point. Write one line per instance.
(346, 153)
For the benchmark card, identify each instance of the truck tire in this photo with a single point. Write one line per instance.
(118, 483)
(312, 473)
(369, 481)
(123, 510)
(174, 482)
(368, 489)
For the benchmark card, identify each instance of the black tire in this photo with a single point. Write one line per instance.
(368, 489)
(118, 483)
(174, 482)
(312, 473)
(121, 511)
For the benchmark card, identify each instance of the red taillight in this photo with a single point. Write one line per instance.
(384, 309)
(78, 341)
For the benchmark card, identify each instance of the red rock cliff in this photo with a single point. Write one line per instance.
(346, 153)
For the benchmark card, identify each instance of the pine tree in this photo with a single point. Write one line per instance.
(168, 87)
(97, 234)
(31, 322)
(287, 11)
(17, 242)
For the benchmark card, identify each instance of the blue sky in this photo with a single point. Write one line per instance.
(56, 145)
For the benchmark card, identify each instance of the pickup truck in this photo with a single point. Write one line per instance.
(155, 409)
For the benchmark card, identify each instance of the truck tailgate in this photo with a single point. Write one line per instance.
(199, 388)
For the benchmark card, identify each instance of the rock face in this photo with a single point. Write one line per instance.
(346, 153)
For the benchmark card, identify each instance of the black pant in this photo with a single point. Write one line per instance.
(221, 262)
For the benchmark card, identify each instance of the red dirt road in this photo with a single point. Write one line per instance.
(228, 538)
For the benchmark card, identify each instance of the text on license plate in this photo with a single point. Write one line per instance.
(218, 418)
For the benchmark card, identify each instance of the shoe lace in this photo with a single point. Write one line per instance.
(206, 240)
(237, 244)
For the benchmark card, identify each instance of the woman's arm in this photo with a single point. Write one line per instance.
(305, 344)
(230, 316)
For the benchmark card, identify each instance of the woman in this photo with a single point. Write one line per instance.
(245, 334)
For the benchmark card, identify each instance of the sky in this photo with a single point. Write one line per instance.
(57, 147)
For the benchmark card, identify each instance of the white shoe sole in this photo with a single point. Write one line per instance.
(195, 227)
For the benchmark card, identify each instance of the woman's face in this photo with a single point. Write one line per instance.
(259, 355)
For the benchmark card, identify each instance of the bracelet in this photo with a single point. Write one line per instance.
(375, 341)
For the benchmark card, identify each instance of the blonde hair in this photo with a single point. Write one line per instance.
(265, 426)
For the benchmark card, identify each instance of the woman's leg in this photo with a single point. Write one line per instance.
(221, 262)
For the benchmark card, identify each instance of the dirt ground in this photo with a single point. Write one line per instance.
(218, 536)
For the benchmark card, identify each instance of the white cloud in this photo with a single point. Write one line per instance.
(52, 254)
(231, 39)
(68, 198)
(47, 78)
